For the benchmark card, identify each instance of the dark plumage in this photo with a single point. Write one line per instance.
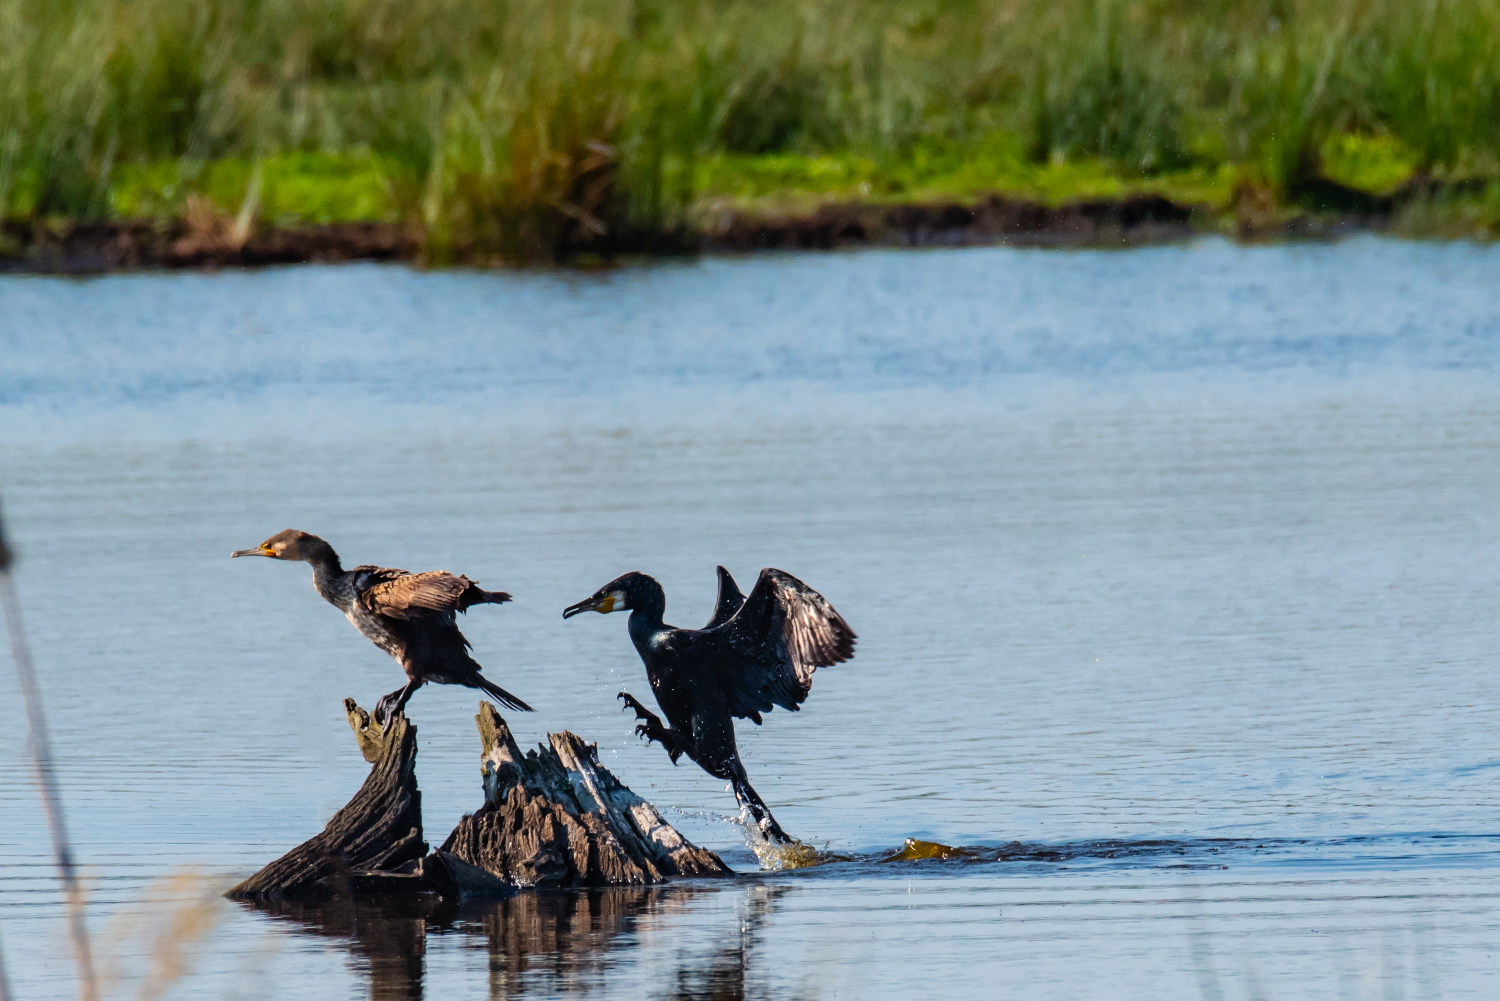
(755, 653)
(408, 615)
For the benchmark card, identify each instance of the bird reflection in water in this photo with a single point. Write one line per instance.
(542, 943)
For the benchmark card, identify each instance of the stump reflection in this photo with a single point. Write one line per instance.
(561, 942)
(387, 939)
(540, 943)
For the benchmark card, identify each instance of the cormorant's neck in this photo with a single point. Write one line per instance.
(646, 614)
(325, 562)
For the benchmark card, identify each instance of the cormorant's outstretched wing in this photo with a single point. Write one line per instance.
(782, 632)
(730, 600)
(409, 594)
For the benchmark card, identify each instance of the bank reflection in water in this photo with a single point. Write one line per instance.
(541, 943)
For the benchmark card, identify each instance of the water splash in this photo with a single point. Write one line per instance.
(781, 856)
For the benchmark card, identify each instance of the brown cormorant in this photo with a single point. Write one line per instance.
(756, 652)
(408, 615)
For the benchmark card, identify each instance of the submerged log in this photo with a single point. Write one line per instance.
(556, 817)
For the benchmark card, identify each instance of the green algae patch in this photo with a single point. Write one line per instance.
(915, 850)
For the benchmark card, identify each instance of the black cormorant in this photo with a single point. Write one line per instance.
(756, 652)
(408, 615)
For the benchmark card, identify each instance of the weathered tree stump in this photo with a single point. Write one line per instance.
(556, 817)
(377, 831)
(374, 844)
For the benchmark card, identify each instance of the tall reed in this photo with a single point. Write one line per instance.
(39, 745)
(523, 127)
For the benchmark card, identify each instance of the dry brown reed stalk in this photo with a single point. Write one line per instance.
(39, 744)
(4, 981)
(175, 912)
(210, 233)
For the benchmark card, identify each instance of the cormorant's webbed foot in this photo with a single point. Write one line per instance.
(394, 704)
(772, 830)
(383, 708)
(652, 729)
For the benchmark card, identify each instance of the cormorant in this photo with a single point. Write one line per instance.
(755, 652)
(408, 615)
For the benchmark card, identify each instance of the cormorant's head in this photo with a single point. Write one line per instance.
(288, 545)
(630, 590)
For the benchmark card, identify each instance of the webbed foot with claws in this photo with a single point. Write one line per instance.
(382, 713)
(652, 729)
(388, 708)
(393, 705)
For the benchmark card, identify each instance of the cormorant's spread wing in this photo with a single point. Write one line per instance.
(413, 593)
(730, 600)
(782, 632)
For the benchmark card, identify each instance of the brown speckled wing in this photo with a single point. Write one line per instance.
(415, 593)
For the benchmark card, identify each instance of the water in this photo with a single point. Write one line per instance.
(1174, 571)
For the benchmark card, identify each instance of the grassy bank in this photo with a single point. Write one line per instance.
(537, 128)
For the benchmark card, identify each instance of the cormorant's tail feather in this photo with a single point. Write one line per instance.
(500, 695)
(473, 595)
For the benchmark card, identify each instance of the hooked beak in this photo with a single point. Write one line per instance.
(604, 605)
(257, 551)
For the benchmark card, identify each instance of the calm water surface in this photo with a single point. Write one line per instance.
(1175, 571)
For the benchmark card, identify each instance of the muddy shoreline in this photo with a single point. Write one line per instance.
(101, 247)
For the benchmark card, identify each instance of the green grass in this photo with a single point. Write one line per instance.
(292, 189)
(1467, 214)
(524, 127)
(1377, 165)
(932, 172)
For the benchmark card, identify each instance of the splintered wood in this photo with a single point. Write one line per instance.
(557, 817)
